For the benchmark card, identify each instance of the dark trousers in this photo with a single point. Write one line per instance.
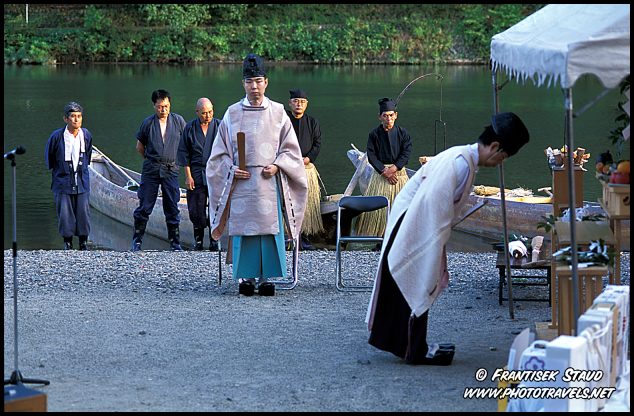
(394, 328)
(148, 192)
(197, 206)
(73, 214)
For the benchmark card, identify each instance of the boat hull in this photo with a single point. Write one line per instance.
(109, 196)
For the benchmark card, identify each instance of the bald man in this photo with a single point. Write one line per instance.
(193, 152)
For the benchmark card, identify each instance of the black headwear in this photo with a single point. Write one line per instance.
(253, 66)
(386, 104)
(511, 131)
(298, 93)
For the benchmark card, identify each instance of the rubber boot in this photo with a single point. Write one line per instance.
(139, 231)
(68, 243)
(174, 237)
(83, 242)
(199, 235)
(213, 244)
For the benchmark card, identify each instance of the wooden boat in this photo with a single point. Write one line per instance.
(113, 193)
(522, 213)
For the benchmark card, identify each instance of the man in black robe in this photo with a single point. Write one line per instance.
(309, 135)
(388, 150)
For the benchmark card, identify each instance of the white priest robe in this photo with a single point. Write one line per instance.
(417, 259)
(249, 207)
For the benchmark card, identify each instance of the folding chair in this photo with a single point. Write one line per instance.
(288, 284)
(351, 207)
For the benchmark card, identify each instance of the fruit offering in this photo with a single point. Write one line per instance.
(617, 173)
(621, 174)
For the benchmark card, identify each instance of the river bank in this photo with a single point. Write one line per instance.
(153, 331)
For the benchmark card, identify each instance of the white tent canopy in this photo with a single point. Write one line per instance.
(561, 42)
(558, 44)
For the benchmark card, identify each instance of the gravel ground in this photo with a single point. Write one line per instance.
(153, 331)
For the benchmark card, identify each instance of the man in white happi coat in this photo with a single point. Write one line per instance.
(412, 270)
(257, 203)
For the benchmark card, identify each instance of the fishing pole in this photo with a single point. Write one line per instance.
(437, 121)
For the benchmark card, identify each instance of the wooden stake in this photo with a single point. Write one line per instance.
(242, 162)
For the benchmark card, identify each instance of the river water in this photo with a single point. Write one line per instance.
(116, 98)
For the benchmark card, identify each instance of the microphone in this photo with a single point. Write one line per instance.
(17, 151)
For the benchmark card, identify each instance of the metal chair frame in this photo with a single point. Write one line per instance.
(288, 284)
(358, 205)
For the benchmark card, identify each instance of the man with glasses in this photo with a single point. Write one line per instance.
(309, 135)
(257, 197)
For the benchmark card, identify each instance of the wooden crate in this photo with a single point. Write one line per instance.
(590, 285)
(616, 198)
(560, 188)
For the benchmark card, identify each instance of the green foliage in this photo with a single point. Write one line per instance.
(481, 21)
(622, 120)
(325, 33)
(95, 19)
(598, 253)
(547, 223)
(161, 48)
(175, 16)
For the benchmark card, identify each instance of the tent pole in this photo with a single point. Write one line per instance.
(507, 257)
(572, 202)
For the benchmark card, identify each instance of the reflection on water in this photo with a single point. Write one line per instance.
(108, 234)
(116, 98)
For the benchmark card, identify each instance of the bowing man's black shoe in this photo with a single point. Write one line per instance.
(246, 288)
(446, 346)
(266, 289)
(68, 243)
(436, 356)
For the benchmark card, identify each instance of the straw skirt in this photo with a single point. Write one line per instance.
(373, 223)
(313, 223)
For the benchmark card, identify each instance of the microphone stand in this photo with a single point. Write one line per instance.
(16, 376)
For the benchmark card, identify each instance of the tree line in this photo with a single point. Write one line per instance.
(313, 33)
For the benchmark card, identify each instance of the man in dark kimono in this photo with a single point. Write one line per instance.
(67, 155)
(157, 141)
(309, 135)
(412, 269)
(193, 152)
(388, 149)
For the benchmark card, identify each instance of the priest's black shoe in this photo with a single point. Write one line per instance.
(266, 289)
(246, 288)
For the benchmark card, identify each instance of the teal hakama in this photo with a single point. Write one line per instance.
(260, 256)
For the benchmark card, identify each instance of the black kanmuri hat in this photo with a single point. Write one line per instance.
(511, 131)
(298, 93)
(386, 104)
(253, 66)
